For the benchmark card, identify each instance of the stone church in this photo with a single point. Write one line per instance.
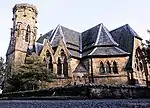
(95, 55)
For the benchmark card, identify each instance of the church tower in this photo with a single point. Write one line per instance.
(23, 34)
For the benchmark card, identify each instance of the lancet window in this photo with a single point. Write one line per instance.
(62, 66)
(49, 61)
(108, 67)
(115, 68)
(27, 34)
(102, 69)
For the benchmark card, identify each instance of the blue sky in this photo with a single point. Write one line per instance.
(79, 15)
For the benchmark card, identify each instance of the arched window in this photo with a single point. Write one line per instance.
(19, 28)
(101, 69)
(65, 67)
(62, 53)
(108, 68)
(141, 66)
(27, 34)
(115, 68)
(59, 67)
(49, 61)
(65, 63)
(138, 60)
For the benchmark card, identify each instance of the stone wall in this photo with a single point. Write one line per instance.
(121, 63)
(89, 91)
(139, 65)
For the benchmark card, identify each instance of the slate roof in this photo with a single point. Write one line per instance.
(37, 48)
(89, 37)
(45, 36)
(124, 36)
(81, 68)
(103, 44)
(70, 37)
(89, 42)
(107, 51)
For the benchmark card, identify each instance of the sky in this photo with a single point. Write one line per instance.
(79, 15)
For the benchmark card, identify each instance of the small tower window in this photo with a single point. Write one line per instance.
(27, 34)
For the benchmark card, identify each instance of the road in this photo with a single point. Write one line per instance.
(103, 103)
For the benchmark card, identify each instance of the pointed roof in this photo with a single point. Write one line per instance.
(89, 37)
(104, 38)
(85, 43)
(103, 43)
(81, 68)
(70, 37)
(124, 35)
(126, 28)
(45, 36)
(97, 36)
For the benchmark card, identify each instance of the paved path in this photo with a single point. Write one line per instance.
(109, 103)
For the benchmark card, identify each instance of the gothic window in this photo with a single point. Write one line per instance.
(65, 63)
(62, 53)
(49, 61)
(27, 34)
(137, 68)
(139, 63)
(108, 68)
(115, 68)
(59, 67)
(65, 67)
(141, 66)
(79, 78)
(102, 69)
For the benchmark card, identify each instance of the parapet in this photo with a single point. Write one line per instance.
(24, 5)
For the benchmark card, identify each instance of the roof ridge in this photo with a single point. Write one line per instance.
(68, 28)
(92, 27)
(133, 32)
(107, 37)
(129, 29)
(98, 35)
(119, 27)
(110, 36)
(54, 33)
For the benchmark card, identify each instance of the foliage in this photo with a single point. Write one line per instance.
(2, 66)
(146, 51)
(29, 75)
